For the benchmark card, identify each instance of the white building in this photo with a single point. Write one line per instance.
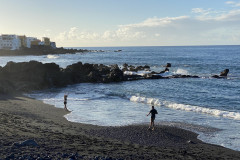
(14, 42)
(31, 41)
(9, 42)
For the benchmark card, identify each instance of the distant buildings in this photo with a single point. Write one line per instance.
(9, 42)
(15, 42)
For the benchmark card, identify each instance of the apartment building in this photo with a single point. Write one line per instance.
(15, 42)
(9, 42)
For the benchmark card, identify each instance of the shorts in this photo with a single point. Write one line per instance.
(152, 119)
(65, 102)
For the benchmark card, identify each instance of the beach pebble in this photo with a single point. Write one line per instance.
(29, 142)
(190, 142)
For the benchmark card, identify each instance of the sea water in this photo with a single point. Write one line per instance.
(208, 106)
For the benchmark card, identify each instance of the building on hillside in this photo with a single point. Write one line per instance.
(32, 41)
(53, 45)
(14, 42)
(23, 41)
(46, 41)
(9, 42)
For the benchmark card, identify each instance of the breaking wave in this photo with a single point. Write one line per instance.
(181, 71)
(52, 56)
(184, 107)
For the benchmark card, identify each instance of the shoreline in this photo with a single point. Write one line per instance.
(23, 118)
(40, 50)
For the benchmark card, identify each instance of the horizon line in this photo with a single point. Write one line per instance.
(158, 46)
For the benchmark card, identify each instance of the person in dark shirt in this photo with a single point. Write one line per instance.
(65, 101)
(153, 112)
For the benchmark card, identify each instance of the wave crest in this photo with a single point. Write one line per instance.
(50, 56)
(184, 107)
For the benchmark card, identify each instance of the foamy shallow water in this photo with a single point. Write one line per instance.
(104, 105)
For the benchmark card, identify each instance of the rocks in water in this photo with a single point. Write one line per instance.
(115, 75)
(33, 75)
(223, 74)
(126, 67)
(183, 76)
(166, 69)
(168, 65)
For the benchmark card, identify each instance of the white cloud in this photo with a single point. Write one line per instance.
(230, 2)
(205, 28)
(233, 3)
(200, 10)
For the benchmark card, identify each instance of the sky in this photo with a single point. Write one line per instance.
(101, 23)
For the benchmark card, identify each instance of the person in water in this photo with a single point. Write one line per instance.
(153, 112)
(65, 101)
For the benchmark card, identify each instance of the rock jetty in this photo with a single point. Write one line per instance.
(34, 75)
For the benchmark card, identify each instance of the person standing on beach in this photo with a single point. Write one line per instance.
(153, 112)
(65, 101)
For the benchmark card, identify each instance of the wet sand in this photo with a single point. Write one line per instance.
(23, 118)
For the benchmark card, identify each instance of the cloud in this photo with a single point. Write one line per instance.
(233, 3)
(230, 2)
(206, 27)
(201, 10)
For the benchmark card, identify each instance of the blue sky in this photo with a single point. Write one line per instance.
(83, 23)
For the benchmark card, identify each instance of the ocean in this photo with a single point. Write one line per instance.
(208, 106)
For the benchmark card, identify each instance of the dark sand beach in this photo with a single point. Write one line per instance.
(53, 137)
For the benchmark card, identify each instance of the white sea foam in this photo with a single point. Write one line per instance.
(166, 74)
(181, 71)
(52, 56)
(141, 73)
(184, 107)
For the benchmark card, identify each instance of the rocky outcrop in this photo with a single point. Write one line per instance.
(33, 75)
(223, 74)
(168, 65)
(126, 67)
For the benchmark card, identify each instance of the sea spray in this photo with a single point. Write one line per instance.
(181, 71)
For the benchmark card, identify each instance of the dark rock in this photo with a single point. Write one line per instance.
(215, 76)
(116, 75)
(154, 72)
(132, 68)
(224, 73)
(29, 142)
(168, 65)
(6, 87)
(125, 65)
(31, 75)
(115, 66)
(139, 68)
(166, 69)
(182, 76)
(94, 76)
(146, 67)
